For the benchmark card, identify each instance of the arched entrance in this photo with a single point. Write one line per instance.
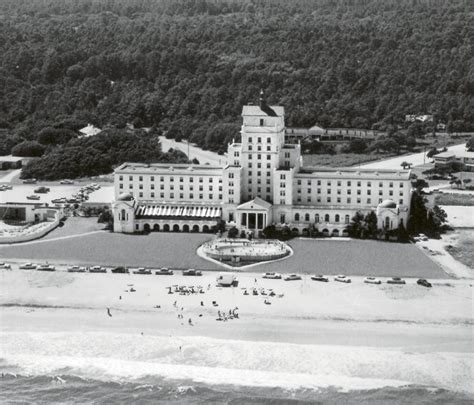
(205, 228)
(166, 228)
(146, 227)
(195, 228)
(325, 232)
(335, 232)
(156, 228)
(185, 228)
(175, 228)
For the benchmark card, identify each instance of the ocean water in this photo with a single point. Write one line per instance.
(106, 368)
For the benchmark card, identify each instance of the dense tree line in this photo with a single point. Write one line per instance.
(186, 67)
(99, 154)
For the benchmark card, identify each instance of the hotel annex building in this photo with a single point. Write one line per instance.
(264, 182)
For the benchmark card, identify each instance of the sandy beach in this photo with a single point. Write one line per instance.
(351, 336)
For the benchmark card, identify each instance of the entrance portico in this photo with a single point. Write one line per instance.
(254, 215)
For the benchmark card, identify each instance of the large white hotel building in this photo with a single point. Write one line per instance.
(263, 183)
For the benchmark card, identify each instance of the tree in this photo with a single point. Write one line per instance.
(406, 165)
(356, 225)
(28, 149)
(233, 232)
(470, 144)
(371, 224)
(419, 184)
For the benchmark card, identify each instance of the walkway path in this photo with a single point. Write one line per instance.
(58, 238)
(204, 156)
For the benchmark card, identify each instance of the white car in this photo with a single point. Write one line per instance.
(66, 181)
(372, 280)
(97, 269)
(28, 266)
(46, 267)
(5, 266)
(319, 277)
(292, 277)
(76, 269)
(273, 276)
(342, 279)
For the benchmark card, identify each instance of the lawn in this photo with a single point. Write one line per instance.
(462, 250)
(340, 159)
(454, 199)
(178, 250)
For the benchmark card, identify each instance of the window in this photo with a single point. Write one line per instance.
(380, 184)
(200, 179)
(400, 193)
(269, 140)
(297, 217)
(329, 182)
(306, 217)
(269, 157)
(181, 195)
(191, 179)
(338, 183)
(231, 175)
(319, 182)
(200, 196)
(287, 155)
(269, 148)
(316, 218)
(130, 178)
(358, 192)
(282, 202)
(349, 184)
(400, 201)
(162, 178)
(369, 200)
(121, 178)
(120, 186)
(329, 199)
(162, 186)
(308, 182)
(262, 122)
(348, 200)
(140, 194)
(282, 193)
(130, 186)
(250, 165)
(259, 157)
(210, 188)
(210, 196)
(140, 186)
(282, 177)
(401, 184)
(338, 199)
(268, 190)
(152, 186)
(171, 179)
(329, 191)
(369, 192)
(298, 182)
(380, 192)
(308, 191)
(181, 179)
(231, 192)
(171, 195)
(201, 188)
(259, 148)
(236, 154)
(358, 201)
(282, 217)
(369, 184)
(349, 192)
(299, 199)
(308, 199)
(162, 195)
(259, 165)
(319, 191)
(338, 192)
(259, 140)
(336, 218)
(390, 193)
(152, 195)
(390, 184)
(282, 185)
(250, 139)
(318, 199)
(326, 218)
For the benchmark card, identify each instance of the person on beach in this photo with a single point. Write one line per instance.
(190, 322)
(108, 312)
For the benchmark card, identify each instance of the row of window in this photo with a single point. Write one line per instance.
(349, 191)
(171, 187)
(171, 179)
(317, 218)
(259, 139)
(348, 183)
(338, 200)
(181, 196)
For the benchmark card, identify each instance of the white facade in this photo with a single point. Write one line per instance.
(263, 183)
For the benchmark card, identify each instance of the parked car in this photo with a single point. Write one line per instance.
(33, 197)
(142, 270)
(97, 269)
(120, 270)
(192, 272)
(45, 267)
(319, 277)
(5, 266)
(28, 266)
(372, 280)
(76, 269)
(396, 280)
(422, 237)
(273, 276)
(62, 200)
(342, 279)
(424, 283)
(42, 190)
(66, 181)
(292, 277)
(164, 272)
(29, 181)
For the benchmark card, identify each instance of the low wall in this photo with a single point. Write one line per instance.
(249, 258)
(25, 237)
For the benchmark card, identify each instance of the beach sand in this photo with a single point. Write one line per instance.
(352, 336)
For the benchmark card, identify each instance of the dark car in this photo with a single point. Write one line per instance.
(423, 282)
(120, 270)
(42, 190)
(396, 280)
(192, 272)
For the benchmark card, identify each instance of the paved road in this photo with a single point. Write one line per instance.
(204, 156)
(415, 159)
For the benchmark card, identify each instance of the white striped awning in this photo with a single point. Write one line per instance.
(181, 211)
